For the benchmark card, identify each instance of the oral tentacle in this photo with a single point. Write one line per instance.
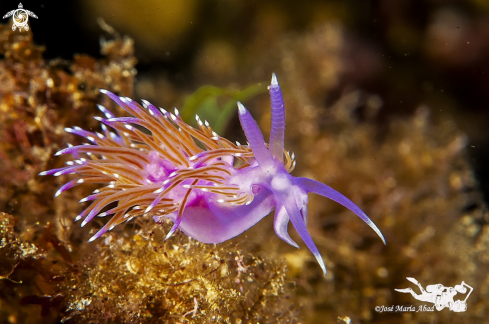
(321, 189)
(296, 218)
(280, 225)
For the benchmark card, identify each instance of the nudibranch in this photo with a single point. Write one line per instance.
(154, 164)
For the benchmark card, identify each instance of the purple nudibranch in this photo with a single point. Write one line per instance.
(210, 194)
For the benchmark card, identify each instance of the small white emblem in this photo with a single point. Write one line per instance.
(20, 17)
(440, 295)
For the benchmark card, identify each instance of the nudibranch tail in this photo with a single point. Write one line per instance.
(152, 163)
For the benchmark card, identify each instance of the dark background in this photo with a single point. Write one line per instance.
(432, 52)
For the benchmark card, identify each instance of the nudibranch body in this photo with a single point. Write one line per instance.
(154, 164)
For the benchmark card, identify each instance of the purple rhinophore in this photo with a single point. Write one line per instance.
(211, 188)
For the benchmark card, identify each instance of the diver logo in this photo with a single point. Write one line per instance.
(440, 295)
(20, 17)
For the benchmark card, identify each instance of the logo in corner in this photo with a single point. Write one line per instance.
(440, 295)
(20, 17)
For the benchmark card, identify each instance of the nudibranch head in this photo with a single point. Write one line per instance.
(212, 192)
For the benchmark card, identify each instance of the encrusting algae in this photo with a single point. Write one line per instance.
(144, 279)
(138, 279)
